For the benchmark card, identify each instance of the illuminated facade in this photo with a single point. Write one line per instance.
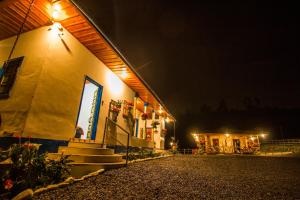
(67, 76)
(247, 142)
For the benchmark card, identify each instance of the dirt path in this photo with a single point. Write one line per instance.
(190, 177)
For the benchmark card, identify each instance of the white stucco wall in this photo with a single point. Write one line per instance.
(45, 98)
(14, 110)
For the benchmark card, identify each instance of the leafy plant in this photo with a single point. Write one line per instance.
(155, 124)
(141, 154)
(30, 170)
(145, 116)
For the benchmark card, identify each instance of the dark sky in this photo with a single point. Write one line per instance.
(196, 52)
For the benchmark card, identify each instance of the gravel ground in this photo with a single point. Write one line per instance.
(192, 177)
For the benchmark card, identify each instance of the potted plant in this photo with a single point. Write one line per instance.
(155, 124)
(144, 116)
(115, 110)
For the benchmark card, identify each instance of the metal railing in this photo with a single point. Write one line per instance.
(185, 151)
(283, 141)
(107, 122)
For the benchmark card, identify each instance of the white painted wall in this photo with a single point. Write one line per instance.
(44, 101)
(45, 98)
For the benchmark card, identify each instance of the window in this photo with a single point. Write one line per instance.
(8, 75)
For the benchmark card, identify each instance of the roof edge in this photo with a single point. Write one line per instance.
(105, 37)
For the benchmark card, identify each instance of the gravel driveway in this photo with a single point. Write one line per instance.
(192, 177)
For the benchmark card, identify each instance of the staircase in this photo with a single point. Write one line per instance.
(89, 157)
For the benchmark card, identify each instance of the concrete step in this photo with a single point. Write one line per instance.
(81, 169)
(85, 150)
(85, 158)
(85, 145)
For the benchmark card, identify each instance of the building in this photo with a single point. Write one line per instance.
(61, 77)
(242, 142)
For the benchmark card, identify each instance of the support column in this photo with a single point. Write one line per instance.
(135, 114)
(145, 111)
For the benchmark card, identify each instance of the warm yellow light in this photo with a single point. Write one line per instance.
(252, 138)
(56, 7)
(57, 26)
(114, 83)
(160, 111)
(167, 120)
(56, 30)
(171, 143)
(263, 135)
(124, 74)
(227, 135)
(55, 14)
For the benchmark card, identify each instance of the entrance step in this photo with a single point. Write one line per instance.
(88, 157)
(85, 158)
(85, 145)
(85, 150)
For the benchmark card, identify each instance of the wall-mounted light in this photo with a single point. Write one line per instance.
(57, 29)
(167, 119)
(124, 73)
(55, 10)
(114, 83)
(160, 111)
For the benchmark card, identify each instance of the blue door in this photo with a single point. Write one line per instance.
(87, 120)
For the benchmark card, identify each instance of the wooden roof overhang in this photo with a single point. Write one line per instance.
(78, 23)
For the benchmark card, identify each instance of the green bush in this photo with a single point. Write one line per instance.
(31, 170)
(142, 154)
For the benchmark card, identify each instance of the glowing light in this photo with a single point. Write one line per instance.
(124, 73)
(114, 83)
(57, 26)
(227, 135)
(252, 138)
(167, 120)
(262, 135)
(171, 143)
(55, 15)
(57, 7)
(56, 29)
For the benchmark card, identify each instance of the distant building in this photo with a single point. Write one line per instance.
(244, 142)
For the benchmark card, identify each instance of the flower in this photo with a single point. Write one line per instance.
(8, 184)
(28, 145)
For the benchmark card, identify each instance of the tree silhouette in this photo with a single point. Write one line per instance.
(222, 107)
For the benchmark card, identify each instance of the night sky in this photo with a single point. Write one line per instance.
(193, 52)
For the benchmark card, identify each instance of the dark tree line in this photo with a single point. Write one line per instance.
(278, 122)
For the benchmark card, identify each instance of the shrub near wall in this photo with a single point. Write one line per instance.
(30, 170)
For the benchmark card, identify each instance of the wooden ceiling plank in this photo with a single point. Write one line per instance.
(74, 24)
(29, 22)
(79, 29)
(82, 33)
(90, 38)
(32, 15)
(10, 23)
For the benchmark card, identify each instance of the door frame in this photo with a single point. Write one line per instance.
(98, 105)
